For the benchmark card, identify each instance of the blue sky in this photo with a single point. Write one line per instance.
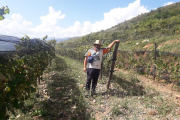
(70, 18)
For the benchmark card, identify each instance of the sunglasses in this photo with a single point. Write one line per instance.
(97, 44)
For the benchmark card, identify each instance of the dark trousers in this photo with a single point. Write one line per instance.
(92, 74)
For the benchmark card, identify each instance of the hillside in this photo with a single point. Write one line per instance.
(160, 25)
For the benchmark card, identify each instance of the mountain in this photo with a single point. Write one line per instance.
(59, 39)
(164, 21)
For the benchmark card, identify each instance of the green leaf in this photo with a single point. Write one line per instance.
(7, 89)
(6, 11)
(1, 17)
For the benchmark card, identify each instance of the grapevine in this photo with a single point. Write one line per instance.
(19, 74)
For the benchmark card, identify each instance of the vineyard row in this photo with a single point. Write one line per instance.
(161, 65)
(19, 72)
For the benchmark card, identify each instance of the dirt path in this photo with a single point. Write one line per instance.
(161, 86)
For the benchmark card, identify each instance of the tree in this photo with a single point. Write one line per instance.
(3, 11)
(52, 42)
(114, 35)
(45, 37)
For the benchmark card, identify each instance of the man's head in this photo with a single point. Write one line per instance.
(97, 44)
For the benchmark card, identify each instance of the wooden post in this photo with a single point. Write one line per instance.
(154, 74)
(38, 79)
(113, 63)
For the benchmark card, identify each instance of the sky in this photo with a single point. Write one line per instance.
(70, 18)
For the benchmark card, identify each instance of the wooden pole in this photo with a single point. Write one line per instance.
(154, 74)
(113, 63)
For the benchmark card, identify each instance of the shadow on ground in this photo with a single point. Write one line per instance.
(131, 86)
(66, 100)
(123, 87)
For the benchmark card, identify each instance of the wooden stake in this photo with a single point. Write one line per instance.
(113, 63)
(154, 74)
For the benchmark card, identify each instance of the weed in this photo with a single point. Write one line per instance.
(116, 111)
(164, 108)
(134, 79)
(39, 112)
(102, 81)
(124, 104)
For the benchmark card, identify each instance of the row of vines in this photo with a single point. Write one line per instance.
(166, 65)
(19, 73)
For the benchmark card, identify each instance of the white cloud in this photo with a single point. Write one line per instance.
(118, 15)
(169, 3)
(52, 18)
(18, 27)
(15, 27)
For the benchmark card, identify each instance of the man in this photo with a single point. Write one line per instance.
(93, 68)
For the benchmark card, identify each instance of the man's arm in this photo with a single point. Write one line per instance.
(111, 45)
(85, 63)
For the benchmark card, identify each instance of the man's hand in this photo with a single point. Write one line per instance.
(116, 40)
(84, 69)
(111, 45)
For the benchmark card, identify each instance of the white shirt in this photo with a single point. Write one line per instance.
(97, 55)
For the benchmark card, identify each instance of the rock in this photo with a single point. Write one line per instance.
(81, 85)
(18, 116)
(152, 113)
(45, 96)
(45, 90)
(51, 100)
(177, 97)
(58, 89)
(165, 118)
(73, 107)
(65, 98)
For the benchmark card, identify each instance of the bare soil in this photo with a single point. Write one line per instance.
(169, 90)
